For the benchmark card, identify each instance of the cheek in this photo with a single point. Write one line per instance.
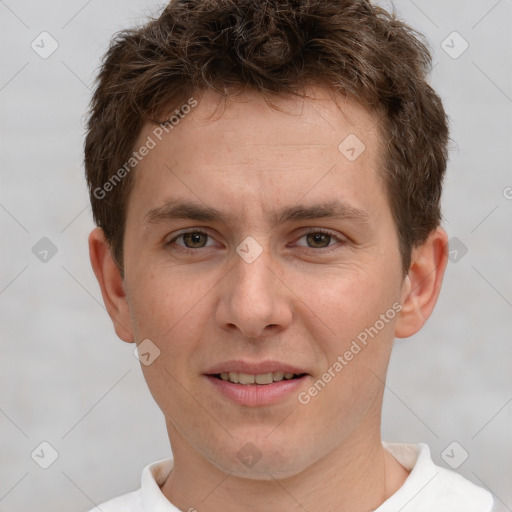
(343, 314)
(173, 308)
(354, 352)
(166, 303)
(169, 312)
(345, 300)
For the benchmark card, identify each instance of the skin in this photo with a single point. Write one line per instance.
(295, 303)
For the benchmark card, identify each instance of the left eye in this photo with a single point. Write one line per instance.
(319, 239)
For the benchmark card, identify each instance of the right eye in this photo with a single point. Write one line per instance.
(192, 240)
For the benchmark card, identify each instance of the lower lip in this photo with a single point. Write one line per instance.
(257, 394)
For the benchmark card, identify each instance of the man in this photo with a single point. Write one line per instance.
(266, 179)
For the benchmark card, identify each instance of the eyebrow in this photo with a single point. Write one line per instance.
(336, 209)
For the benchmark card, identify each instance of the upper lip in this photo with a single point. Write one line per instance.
(250, 368)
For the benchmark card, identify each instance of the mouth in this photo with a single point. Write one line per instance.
(257, 389)
(261, 379)
(256, 383)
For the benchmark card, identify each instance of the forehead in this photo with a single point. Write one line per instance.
(244, 147)
(278, 123)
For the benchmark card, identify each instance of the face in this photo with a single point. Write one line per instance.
(297, 256)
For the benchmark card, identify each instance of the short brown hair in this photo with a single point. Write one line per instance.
(279, 47)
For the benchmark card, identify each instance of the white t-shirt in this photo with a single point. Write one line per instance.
(428, 488)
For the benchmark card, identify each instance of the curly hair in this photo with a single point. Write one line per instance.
(281, 47)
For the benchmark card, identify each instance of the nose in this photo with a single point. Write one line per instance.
(254, 299)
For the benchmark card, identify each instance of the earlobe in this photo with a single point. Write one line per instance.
(422, 285)
(111, 284)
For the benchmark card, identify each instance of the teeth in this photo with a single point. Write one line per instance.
(262, 378)
(244, 378)
(277, 376)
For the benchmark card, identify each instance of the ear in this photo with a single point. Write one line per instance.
(111, 283)
(422, 284)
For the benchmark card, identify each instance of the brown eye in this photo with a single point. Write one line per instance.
(195, 239)
(191, 240)
(318, 240)
(321, 241)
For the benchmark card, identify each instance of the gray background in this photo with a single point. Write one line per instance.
(65, 377)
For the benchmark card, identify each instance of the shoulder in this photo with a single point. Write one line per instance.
(148, 498)
(130, 502)
(432, 488)
(456, 491)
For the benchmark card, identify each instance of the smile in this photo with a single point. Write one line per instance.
(261, 378)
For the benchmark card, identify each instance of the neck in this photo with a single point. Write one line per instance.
(356, 476)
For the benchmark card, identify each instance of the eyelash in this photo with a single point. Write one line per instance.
(323, 250)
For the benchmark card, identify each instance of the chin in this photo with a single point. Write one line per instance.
(262, 459)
